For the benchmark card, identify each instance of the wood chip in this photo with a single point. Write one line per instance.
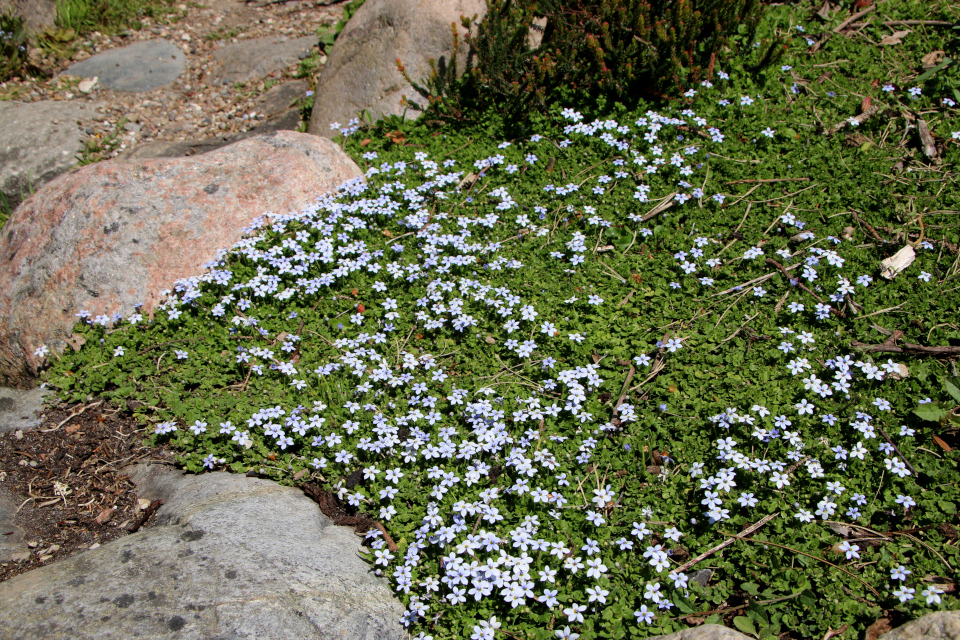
(932, 59)
(877, 629)
(76, 341)
(892, 266)
(894, 38)
(926, 141)
(825, 11)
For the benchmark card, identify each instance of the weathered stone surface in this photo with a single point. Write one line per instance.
(941, 625)
(141, 66)
(37, 14)
(253, 59)
(705, 632)
(227, 557)
(361, 72)
(38, 142)
(11, 536)
(112, 235)
(282, 97)
(21, 409)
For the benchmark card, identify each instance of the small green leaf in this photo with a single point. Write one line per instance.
(931, 412)
(951, 387)
(745, 624)
(683, 605)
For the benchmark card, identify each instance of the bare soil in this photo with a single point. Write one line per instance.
(66, 476)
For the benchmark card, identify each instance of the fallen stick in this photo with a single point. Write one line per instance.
(907, 349)
(907, 23)
(72, 416)
(897, 449)
(623, 391)
(780, 546)
(149, 511)
(846, 23)
(767, 180)
(734, 334)
(750, 283)
(726, 543)
(860, 119)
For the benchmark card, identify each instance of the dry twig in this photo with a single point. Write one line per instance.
(729, 541)
(846, 23)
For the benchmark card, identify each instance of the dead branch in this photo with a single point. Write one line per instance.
(767, 180)
(149, 511)
(726, 543)
(846, 23)
(907, 349)
(860, 119)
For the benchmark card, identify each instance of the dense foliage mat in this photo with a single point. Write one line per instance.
(639, 365)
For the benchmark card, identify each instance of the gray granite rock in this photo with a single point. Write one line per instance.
(12, 546)
(38, 142)
(141, 66)
(253, 59)
(227, 557)
(941, 625)
(37, 14)
(281, 98)
(21, 409)
(361, 72)
(705, 632)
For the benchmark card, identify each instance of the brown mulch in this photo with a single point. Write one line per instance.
(334, 509)
(66, 476)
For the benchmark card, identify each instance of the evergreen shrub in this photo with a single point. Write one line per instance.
(591, 51)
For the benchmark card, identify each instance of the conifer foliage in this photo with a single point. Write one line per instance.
(590, 49)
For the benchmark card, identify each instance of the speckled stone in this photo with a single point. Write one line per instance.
(115, 234)
(227, 557)
(141, 66)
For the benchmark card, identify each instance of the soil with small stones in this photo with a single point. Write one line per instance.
(191, 108)
(66, 476)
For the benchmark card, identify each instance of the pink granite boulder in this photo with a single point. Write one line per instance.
(113, 235)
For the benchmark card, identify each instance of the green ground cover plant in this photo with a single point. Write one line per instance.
(617, 374)
(108, 16)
